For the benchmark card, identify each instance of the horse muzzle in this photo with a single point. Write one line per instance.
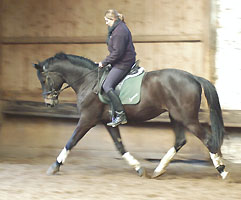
(51, 102)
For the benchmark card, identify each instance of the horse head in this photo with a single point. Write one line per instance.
(51, 82)
(64, 68)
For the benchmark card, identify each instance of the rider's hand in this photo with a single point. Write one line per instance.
(100, 65)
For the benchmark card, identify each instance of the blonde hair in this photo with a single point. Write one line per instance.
(114, 15)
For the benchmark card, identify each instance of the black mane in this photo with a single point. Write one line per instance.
(74, 59)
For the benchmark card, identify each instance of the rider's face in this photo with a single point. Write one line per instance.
(108, 21)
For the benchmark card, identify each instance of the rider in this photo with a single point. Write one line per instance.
(121, 57)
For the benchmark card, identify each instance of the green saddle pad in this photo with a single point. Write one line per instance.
(129, 90)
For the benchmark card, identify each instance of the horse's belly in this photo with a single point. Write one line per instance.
(144, 114)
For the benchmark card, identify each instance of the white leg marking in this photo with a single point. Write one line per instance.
(132, 161)
(217, 162)
(165, 161)
(63, 155)
(216, 159)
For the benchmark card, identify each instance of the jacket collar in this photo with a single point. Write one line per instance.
(111, 29)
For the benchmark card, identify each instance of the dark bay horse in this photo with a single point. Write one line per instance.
(169, 90)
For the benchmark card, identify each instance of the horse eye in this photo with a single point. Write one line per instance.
(44, 80)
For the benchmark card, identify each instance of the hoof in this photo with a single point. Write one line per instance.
(142, 172)
(53, 169)
(224, 175)
(157, 174)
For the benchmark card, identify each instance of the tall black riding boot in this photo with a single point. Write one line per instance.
(120, 117)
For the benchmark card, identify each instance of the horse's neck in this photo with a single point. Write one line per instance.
(77, 77)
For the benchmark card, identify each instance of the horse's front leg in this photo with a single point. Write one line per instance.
(81, 129)
(115, 134)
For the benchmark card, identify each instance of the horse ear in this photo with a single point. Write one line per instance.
(37, 66)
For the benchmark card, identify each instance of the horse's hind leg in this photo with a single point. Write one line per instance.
(115, 134)
(203, 134)
(179, 130)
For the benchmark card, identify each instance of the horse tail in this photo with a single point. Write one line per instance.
(216, 118)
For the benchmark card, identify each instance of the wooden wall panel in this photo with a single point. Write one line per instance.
(19, 80)
(166, 34)
(185, 56)
(75, 18)
(47, 136)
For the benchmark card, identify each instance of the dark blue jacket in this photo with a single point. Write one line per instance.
(122, 51)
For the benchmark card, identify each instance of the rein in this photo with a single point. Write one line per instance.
(69, 85)
(56, 93)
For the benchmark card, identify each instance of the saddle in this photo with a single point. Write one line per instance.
(128, 89)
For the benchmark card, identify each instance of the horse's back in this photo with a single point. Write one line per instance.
(174, 79)
(175, 74)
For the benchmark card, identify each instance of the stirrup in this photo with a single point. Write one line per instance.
(120, 119)
(116, 122)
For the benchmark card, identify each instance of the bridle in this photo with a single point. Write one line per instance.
(55, 93)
